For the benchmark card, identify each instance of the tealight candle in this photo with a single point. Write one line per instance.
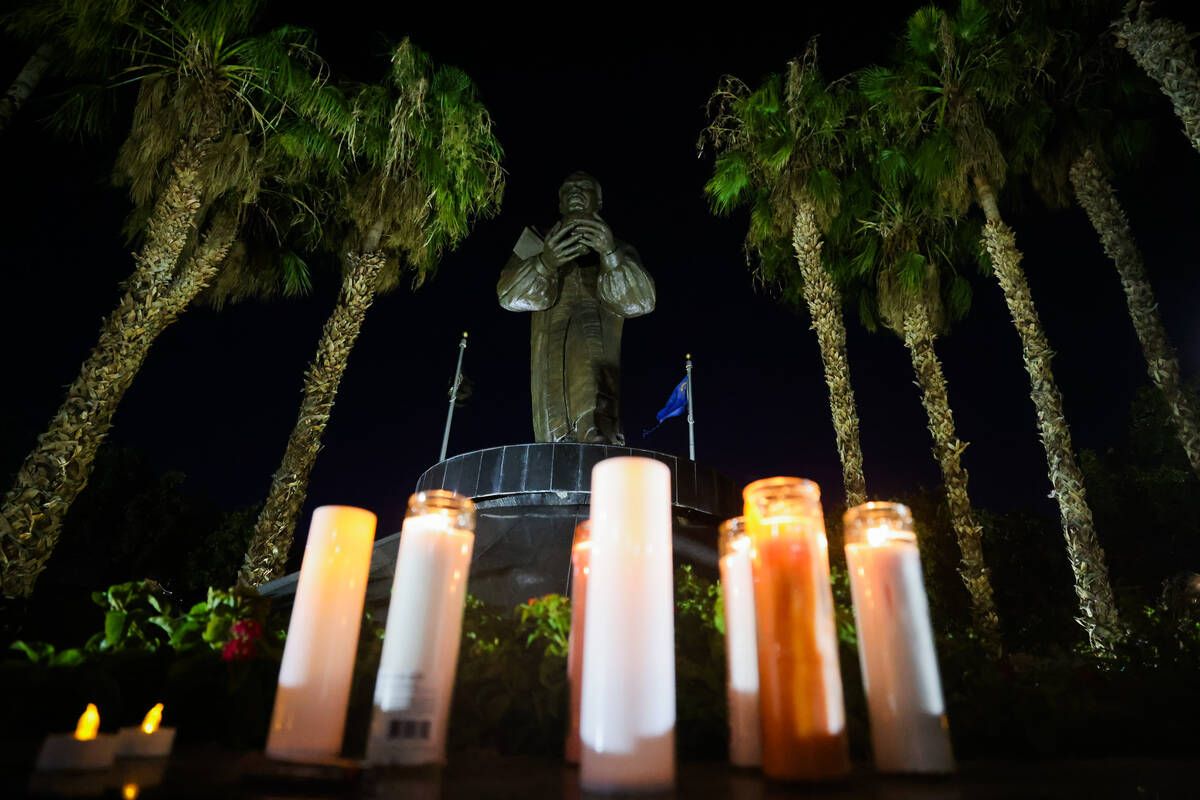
(895, 641)
(741, 660)
(424, 627)
(581, 550)
(149, 740)
(627, 709)
(800, 684)
(309, 716)
(86, 748)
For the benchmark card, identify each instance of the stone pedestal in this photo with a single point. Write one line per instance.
(528, 498)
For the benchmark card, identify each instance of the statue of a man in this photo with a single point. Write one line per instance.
(581, 284)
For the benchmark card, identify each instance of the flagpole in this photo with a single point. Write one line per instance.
(691, 417)
(462, 348)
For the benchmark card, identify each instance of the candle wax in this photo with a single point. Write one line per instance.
(64, 751)
(800, 685)
(899, 666)
(580, 571)
(313, 692)
(420, 643)
(133, 742)
(745, 727)
(627, 712)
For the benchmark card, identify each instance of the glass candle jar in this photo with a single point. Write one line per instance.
(424, 626)
(895, 641)
(800, 686)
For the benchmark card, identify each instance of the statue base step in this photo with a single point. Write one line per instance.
(528, 499)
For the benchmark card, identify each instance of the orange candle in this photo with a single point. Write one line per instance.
(800, 685)
(581, 550)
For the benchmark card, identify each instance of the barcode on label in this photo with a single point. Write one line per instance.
(409, 729)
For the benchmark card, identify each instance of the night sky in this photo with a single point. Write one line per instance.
(623, 99)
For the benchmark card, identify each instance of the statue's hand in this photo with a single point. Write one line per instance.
(562, 246)
(596, 235)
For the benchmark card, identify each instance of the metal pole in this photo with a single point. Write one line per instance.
(462, 348)
(691, 416)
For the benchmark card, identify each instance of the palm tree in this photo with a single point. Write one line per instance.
(1163, 48)
(1097, 108)
(191, 166)
(425, 164)
(77, 37)
(956, 71)
(779, 150)
(903, 259)
(1098, 198)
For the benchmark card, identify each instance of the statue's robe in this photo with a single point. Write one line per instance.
(575, 353)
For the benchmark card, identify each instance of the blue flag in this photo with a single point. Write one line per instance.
(676, 405)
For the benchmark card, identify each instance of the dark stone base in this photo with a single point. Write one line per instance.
(528, 501)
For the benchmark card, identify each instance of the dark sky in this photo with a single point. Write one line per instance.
(623, 98)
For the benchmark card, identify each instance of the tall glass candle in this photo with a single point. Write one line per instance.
(318, 659)
(581, 551)
(741, 658)
(800, 686)
(424, 625)
(627, 715)
(895, 641)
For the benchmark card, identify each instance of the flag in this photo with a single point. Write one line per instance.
(676, 405)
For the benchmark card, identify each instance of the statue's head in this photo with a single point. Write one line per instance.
(579, 194)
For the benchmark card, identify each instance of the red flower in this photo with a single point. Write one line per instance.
(242, 637)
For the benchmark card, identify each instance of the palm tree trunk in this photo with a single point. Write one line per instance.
(1163, 49)
(1096, 196)
(27, 80)
(948, 449)
(59, 466)
(1099, 609)
(825, 307)
(266, 556)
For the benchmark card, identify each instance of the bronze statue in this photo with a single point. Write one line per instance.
(581, 284)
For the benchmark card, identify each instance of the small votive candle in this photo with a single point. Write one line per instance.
(627, 707)
(86, 748)
(309, 717)
(895, 641)
(800, 684)
(424, 626)
(741, 658)
(581, 551)
(148, 740)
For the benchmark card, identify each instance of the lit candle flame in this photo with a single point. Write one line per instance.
(89, 723)
(129, 791)
(153, 718)
(879, 536)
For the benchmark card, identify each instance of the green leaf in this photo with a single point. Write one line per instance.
(911, 268)
(35, 652)
(68, 658)
(114, 627)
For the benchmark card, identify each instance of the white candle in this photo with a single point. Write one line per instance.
(741, 658)
(148, 740)
(895, 641)
(318, 658)
(627, 716)
(581, 550)
(424, 625)
(86, 748)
